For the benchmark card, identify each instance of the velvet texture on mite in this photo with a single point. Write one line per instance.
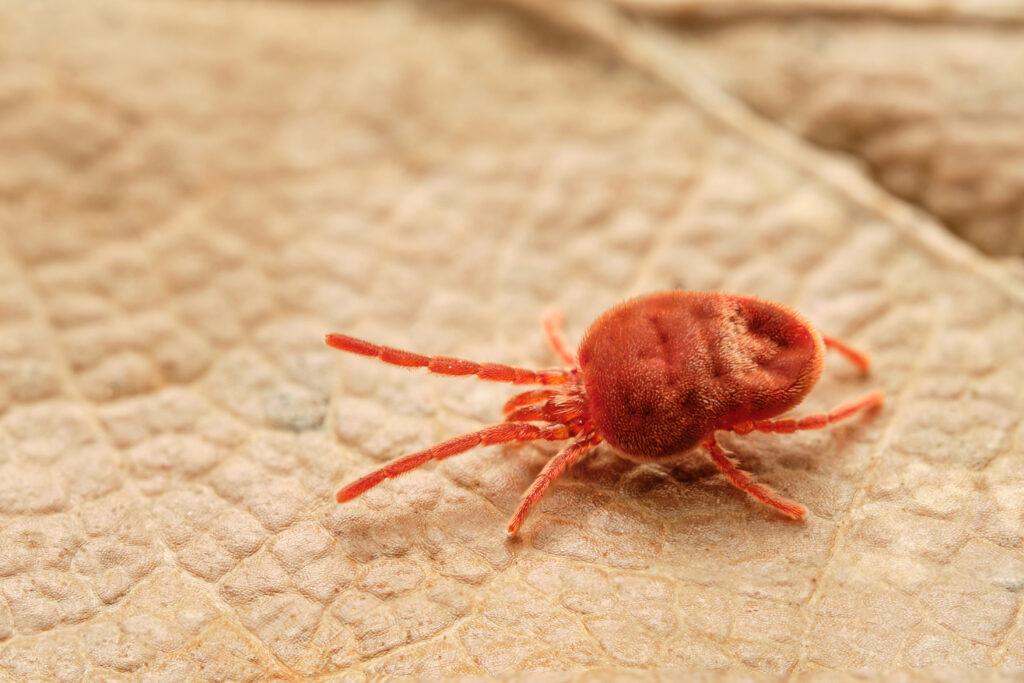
(655, 377)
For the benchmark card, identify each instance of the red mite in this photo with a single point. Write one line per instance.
(655, 377)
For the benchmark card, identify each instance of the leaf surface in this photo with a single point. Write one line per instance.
(194, 194)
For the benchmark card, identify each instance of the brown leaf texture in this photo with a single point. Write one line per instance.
(194, 193)
(971, 10)
(931, 104)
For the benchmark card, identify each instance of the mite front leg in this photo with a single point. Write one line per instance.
(741, 480)
(552, 322)
(789, 425)
(555, 467)
(445, 365)
(528, 398)
(488, 436)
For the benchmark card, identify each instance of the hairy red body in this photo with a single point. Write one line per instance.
(655, 377)
(663, 372)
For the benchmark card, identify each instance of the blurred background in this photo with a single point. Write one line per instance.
(192, 194)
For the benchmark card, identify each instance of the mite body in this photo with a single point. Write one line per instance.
(655, 377)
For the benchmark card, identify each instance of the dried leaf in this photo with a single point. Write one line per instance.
(195, 194)
(931, 104)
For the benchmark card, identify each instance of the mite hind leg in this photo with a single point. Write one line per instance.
(789, 425)
(858, 358)
(742, 481)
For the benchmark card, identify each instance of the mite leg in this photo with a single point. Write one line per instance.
(817, 421)
(561, 408)
(443, 365)
(534, 413)
(500, 433)
(741, 480)
(858, 358)
(566, 457)
(550, 411)
(527, 398)
(552, 322)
